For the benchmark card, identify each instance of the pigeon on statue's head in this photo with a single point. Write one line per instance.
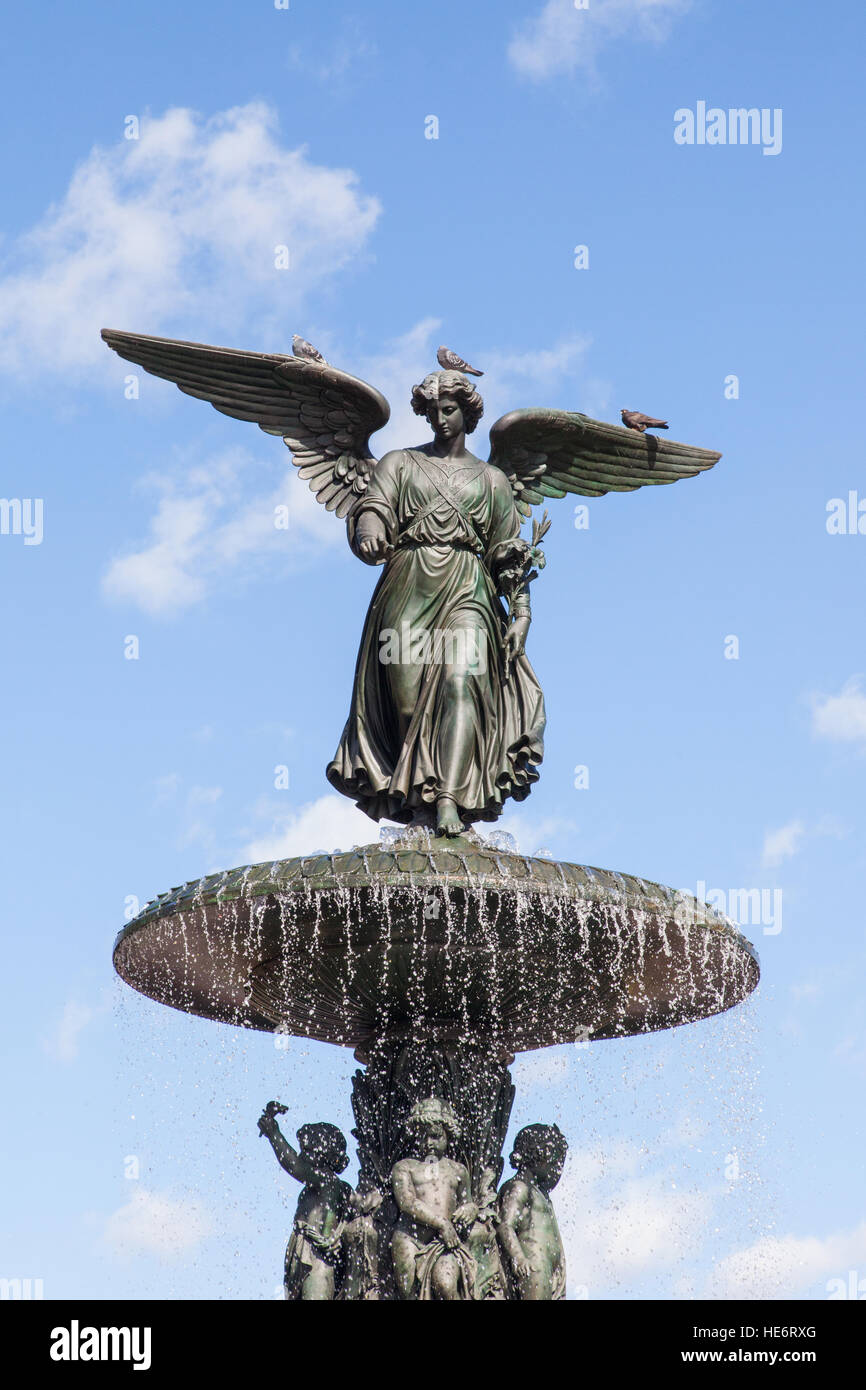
(452, 363)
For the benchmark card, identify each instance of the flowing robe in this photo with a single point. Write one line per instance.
(432, 708)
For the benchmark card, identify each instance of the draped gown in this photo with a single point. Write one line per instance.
(432, 709)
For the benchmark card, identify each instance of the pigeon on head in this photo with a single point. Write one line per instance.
(452, 363)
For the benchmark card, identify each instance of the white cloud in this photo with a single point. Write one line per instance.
(561, 38)
(63, 1044)
(331, 822)
(787, 1266)
(148, 228)
(208, 520)
(153, 1224)
(783, 843)
(532, 834)
(620, 1222)
(841, 717)
(349, 48)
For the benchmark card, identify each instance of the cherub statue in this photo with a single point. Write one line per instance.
(447, 717)
(314, 1255)
(432, 1259)
(483, 1242)
(528, 1230)
(363, 1239)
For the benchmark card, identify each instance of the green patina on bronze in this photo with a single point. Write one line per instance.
(440, 956)
(445, 741)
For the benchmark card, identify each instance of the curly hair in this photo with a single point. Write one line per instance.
(453, 384)
(536, 1143)
(432, 1112)
(324, 1144)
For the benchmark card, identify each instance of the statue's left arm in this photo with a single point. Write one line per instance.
(505, 529)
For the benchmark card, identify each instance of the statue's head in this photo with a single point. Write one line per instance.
(324, 1145)
(443, 397)
(540, 1150)
(432, 1125)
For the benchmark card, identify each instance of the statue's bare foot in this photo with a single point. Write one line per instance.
(447, 820)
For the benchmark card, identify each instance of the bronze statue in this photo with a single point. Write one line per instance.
(447, 717)
(314, 1255)
(528, 1229)
(432, 1259)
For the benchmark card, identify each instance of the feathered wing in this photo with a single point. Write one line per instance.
(548, 453)
(325, 416)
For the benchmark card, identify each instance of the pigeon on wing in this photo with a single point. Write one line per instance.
(452, 363)
(301, 348)
(634, 420)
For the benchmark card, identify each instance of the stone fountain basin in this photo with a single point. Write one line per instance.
(454, 941)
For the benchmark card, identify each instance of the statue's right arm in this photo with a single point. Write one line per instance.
(513, 1203)
(287, 1157)
(376, 517)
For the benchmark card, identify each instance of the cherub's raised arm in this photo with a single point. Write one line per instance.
(287, 1156)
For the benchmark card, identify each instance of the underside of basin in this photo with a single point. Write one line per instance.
(450, 940)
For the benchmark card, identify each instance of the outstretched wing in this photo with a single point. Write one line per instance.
(325, 416)
(548, 453)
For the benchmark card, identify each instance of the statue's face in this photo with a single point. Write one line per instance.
(446, 418)
(548, 1170)
(435, 1139)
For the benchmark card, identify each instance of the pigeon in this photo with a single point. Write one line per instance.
(452, 363)
(301, 348)
(633, 420)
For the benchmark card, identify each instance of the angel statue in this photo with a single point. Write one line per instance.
(447, 716)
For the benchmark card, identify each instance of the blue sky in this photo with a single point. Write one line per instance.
(305, 127)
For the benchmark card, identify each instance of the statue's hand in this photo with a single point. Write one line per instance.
(450, 1238)
(367, 1202)
(515, 638)
(372, 538)
(465, 1215)
(521, 1266)
(268, 1117)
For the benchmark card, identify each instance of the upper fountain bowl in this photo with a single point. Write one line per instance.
(448, 939)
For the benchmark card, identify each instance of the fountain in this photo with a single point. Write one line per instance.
(436, 954)
(436, 962)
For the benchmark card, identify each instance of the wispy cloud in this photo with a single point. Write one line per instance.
(63, 1043)
(620, 1221)
(148, 227)
(841, 718)
(783, 843)
(153, 1223)
(561, 39)
(787, 1266)
(328, 823)
(349, 49)
(211, 518)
